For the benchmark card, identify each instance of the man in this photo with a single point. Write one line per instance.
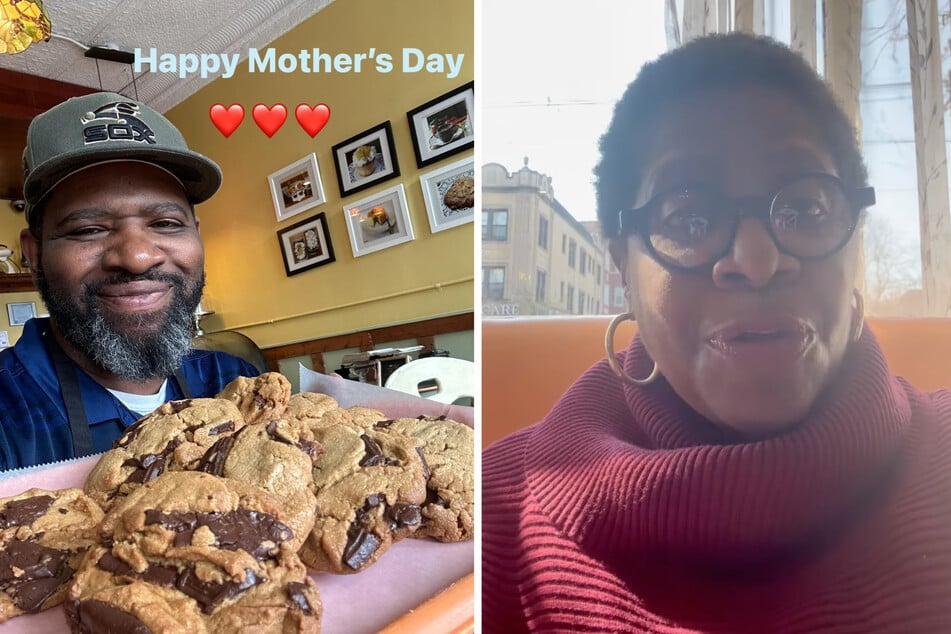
(114, 248)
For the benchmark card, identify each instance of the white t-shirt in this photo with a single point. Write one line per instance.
(142, 404)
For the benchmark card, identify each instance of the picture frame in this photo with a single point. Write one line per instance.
(366, 159)
(18, 313)
(443, 126)
(449, 193)
(379, 221)
(306, 245)
(297, 187)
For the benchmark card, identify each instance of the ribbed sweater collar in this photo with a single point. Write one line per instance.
(625, 471)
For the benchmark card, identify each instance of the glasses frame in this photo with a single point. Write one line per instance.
(636, 220)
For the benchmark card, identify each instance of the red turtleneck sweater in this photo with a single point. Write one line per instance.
(624, 511)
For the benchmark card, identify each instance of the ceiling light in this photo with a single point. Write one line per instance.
(22, 22)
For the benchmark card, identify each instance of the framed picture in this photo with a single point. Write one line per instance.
(20, 313)
(443, 127)
(366, 159)
(296, 188)
(306, 245)
(449, 193)
(379, 221)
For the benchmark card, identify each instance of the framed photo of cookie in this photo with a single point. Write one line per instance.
(366, 159)
(297, 187)
(379, 221)
(449, 192)
(306, 245)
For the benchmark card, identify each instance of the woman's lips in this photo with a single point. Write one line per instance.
(763, 341)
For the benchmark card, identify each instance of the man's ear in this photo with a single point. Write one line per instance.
(30, 247)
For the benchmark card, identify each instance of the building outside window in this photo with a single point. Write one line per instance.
(543, 233)
(493, 282)
(495, 225)
(540, 286)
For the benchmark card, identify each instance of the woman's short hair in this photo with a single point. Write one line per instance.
(717, 62)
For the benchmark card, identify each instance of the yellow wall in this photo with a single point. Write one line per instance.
(247, 285)
(11, 223)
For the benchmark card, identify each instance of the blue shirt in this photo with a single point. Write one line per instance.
(34, 428)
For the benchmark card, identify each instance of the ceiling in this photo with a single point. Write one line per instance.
(48, 72)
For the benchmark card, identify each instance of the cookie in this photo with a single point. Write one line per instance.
(278, 457)
(447, 448)
(369, 486)
(177, 436)
(461, 194)
(190, 551)
(43, 537)
(259, 399)
(365, 417)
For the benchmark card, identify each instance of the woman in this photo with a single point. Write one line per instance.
(749, 464)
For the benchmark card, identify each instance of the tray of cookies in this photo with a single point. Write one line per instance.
(255, 509)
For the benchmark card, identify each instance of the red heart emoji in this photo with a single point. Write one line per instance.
(271, 119)
(313, 119)
(227, 119)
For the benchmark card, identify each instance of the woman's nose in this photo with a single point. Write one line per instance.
(754, 261)
(133, 249)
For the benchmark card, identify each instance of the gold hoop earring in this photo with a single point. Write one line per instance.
(860, 311)
(612, 358)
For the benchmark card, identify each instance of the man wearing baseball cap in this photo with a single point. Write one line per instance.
(113, 243)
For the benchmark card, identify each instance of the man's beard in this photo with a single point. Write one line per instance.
(121, 348)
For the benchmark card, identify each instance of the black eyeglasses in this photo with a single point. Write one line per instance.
(809, 218)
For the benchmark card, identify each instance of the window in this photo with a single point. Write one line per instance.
(543, 233)
(493, 282)
(584, 259)
(597, 277)
(570, 304)
(619, 296)
(597, 308)
(540, 286)
(562, 292)
(495, 225)
(572, 247)
(581, 299)
(564, 241)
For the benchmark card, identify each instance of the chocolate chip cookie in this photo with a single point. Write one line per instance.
(278, 457)
(369, 486)
(43, 537)
(179, 435)
(189, 551)
(461, 194)
(447, 448)
(259, 399)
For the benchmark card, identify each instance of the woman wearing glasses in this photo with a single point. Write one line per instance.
(749, 464)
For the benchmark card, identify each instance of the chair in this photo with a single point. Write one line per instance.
(453, 379)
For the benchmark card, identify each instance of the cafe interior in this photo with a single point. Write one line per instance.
(327, 249)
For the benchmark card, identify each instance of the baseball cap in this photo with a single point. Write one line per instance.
(102, 127)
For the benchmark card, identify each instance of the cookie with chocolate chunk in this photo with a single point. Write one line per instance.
(365, 416)
(369, 486)
(177, 436)
(190, 551)
(309, 405)
(447, 448)
(278, 457)
(43, 537)
(259, 399)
